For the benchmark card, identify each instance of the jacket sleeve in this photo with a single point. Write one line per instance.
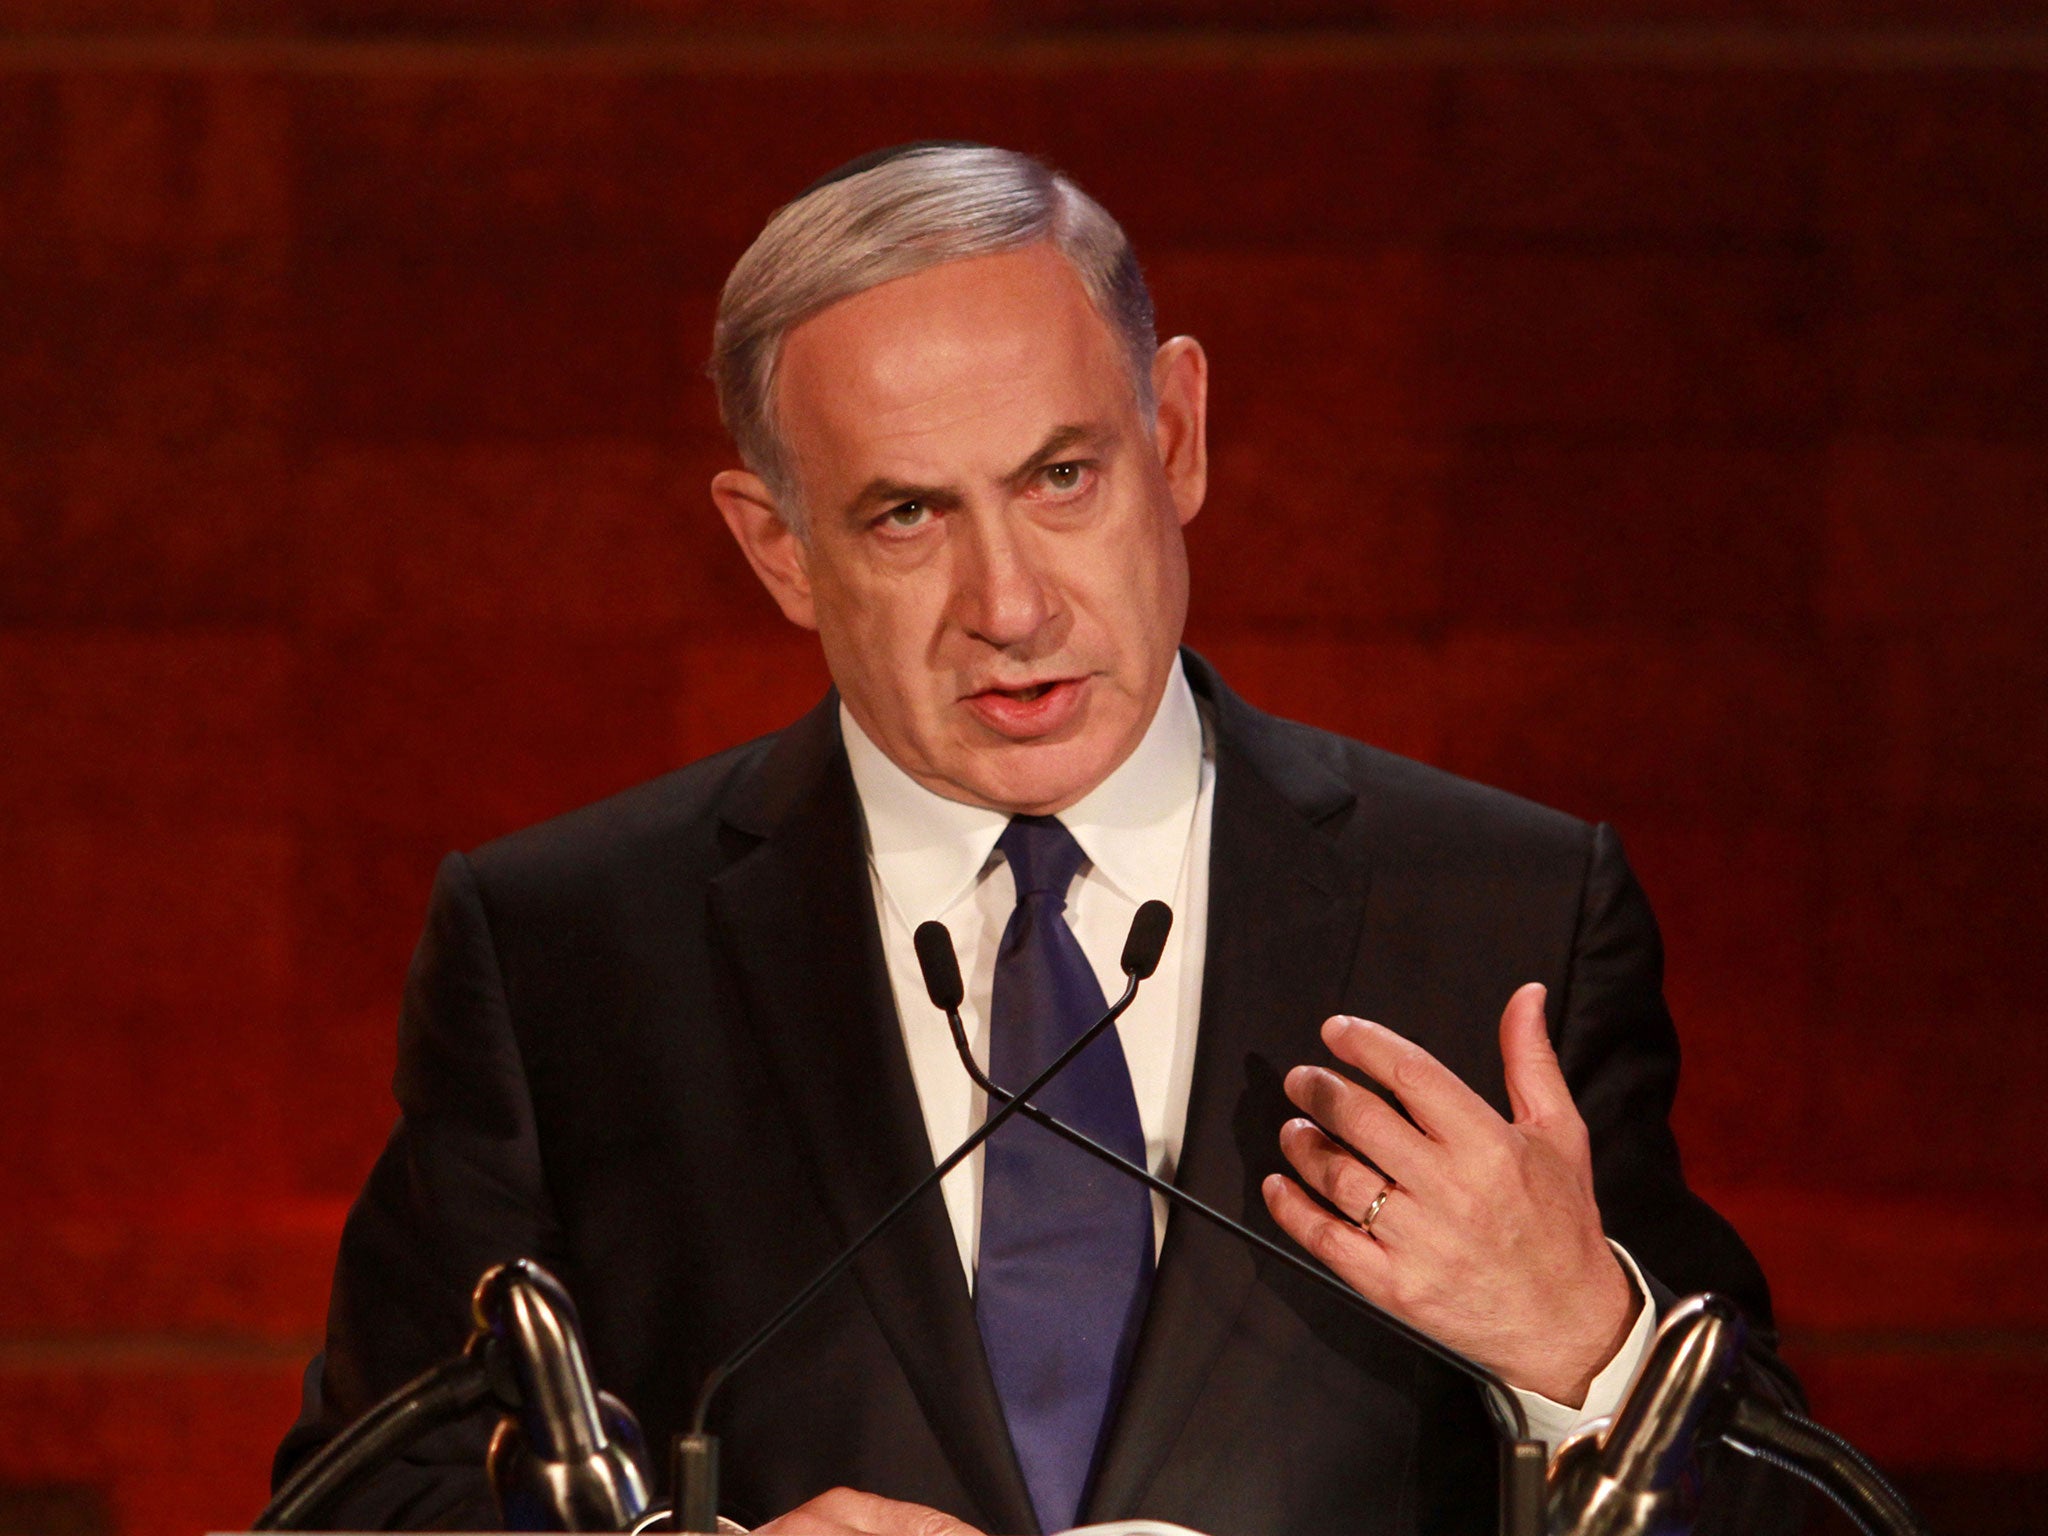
(1619, 1051)
(458, 1188)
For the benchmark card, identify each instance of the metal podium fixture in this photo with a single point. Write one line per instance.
(565, 1457)
(570, 1458)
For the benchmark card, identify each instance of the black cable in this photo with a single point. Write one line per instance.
(448, 1392)
(1502, 1404)
(838, 1266)
(1817, 1455)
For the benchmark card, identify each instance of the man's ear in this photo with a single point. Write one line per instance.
(771, 546)
(1180, 383)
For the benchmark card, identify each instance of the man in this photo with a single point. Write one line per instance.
(676, 1045)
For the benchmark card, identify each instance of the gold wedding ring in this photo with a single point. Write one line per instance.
(1372, 1212)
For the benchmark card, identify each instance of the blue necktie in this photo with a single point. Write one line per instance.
(1066, 1243)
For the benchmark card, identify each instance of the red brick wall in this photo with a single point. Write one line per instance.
(1639, 405)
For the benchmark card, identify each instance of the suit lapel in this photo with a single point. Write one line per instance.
(1285, 912)
(796, 918)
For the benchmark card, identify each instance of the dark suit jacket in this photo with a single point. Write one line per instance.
(652, 1045)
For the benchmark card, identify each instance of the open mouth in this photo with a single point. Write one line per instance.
(1024, 695)
(1030, 711)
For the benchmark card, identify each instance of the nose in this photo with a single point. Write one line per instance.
(1001, 589)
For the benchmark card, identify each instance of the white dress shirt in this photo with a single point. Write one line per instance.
(1145, 833)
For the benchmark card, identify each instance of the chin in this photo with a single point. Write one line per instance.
(1043, 781)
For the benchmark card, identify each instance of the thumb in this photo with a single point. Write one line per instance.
(1536, 1086)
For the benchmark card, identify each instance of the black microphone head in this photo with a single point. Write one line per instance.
(941, 967)
(1148, 938)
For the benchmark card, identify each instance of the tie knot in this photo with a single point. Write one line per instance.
(1043, 856)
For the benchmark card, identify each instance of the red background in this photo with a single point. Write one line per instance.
(1636, 403)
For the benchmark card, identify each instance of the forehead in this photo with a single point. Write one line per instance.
(972, 358)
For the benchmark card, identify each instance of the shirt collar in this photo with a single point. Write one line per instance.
(1133, 826)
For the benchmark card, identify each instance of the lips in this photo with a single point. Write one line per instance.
(1032, 709)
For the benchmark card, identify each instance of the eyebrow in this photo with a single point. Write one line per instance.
(1053, 447)
(883, 491)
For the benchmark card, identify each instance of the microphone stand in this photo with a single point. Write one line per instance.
(696, 1453)
(1522, 1459)
(565, 1455)
(1634, 1474)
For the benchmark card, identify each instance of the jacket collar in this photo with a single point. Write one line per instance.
(1286, 910)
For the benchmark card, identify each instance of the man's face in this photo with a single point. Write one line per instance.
(994, 560)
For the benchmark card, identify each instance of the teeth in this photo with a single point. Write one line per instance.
(1026, 695)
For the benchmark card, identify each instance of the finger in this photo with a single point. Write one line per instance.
(1445, 1108)
(1329, 1170)
(804, 1520)
(852, 1510)
(1356, 1259)
(813, 1517)
(801, 1522)
(835, 1512)
(1537, 1092)
(1364, 1121)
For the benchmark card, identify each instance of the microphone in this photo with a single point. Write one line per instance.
(1522, 1460)
(696, 1453)
(941, 966)
(1143, 945)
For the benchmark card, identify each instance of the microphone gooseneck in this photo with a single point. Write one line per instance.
(1522, 1459)
(934, 939)
(832, 1271)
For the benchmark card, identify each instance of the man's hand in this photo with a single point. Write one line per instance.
(1488, 1239)
(848, 1512)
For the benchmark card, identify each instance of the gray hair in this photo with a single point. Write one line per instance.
(913, 210)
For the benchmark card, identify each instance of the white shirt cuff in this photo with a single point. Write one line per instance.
(1551, 1422)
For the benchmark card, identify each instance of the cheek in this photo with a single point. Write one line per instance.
(882, 634)
(1141, 597)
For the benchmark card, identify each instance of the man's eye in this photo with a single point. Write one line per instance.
(1065, 477)
(910, 514)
